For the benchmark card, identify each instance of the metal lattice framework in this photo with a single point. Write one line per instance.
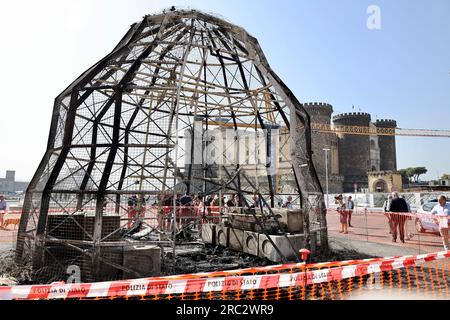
(138, 123)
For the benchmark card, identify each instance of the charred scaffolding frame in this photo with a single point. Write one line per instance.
(117, 130)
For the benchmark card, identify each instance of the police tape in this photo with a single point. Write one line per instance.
(208, 282)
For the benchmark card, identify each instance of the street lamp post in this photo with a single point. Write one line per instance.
(326, 172)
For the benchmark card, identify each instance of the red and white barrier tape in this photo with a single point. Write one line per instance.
(205, 282)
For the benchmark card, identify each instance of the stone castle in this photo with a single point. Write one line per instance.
(351, 157)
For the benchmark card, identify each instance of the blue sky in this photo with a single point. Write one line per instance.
(321, 49)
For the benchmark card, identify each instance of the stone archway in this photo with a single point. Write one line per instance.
(380, 186)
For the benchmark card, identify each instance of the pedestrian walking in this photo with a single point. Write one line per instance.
(398, 209)
(3, 204)
(386, 207)
(343, 214)
(440, 214)
(132, 206)
(350, 206)
(3, 207)
(410, 235)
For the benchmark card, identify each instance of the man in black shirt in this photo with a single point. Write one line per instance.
(398, 220)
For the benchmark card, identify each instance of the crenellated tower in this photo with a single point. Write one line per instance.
(388, 155)
(354, 151)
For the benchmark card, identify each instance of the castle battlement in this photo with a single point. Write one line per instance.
(317, 104)
(353, 118)
(386, 123)
(319, 109)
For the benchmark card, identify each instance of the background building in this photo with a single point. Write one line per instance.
(351, 158)
(10, 185)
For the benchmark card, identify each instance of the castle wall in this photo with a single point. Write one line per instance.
(321, 113)
(354, 151)
(388, 153)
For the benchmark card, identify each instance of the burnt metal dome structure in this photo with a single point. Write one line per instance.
(185, 103)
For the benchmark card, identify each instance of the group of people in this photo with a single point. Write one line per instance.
(191, 208)
(194, 207)
(397, 210)
(345, 209)
(394, 207)
(234, 200)
(213, 200)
